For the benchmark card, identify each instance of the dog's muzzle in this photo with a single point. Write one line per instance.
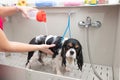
(71, 53)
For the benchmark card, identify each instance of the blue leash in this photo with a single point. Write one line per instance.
(67, 28)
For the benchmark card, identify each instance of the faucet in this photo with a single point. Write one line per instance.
(89, 23)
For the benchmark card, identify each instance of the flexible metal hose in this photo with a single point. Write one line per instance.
(89, 54)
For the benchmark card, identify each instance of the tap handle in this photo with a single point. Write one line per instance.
(88, 21)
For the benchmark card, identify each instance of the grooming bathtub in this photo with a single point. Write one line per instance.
(13, 68)
(104, 43)
(16, 73)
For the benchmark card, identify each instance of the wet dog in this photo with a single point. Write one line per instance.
(66, 51)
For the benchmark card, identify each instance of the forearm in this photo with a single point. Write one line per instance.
(8, 11)
(8, 46)
(20, 47)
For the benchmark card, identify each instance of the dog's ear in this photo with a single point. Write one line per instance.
(79, 58)
(58, 46)
(63, 55)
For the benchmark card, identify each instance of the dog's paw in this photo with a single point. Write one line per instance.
(44, 64)
(28, 66)
(59, 73)
(67, 69)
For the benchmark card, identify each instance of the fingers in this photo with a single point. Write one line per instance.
(45, 48)
(52, 45)
(50, 52)
(49, 46)
(25, 11)
(25, 15)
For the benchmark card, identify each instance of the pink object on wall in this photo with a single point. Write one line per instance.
(1, 23)
(72, 3)
(101, 2)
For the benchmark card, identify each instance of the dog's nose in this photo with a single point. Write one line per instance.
(71, 52)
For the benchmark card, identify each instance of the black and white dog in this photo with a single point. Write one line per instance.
(66, 51)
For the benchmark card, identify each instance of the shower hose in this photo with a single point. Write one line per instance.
(89, 54)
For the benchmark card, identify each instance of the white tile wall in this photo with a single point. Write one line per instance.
(119, 73)
(117, 52)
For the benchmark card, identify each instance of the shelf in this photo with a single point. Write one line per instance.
(86, 5)
(62, 6)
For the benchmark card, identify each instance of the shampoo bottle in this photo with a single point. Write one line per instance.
(38, 15)
(93, 2)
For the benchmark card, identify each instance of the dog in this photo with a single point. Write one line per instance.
(66, 51)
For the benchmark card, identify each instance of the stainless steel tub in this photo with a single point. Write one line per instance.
(17, 73)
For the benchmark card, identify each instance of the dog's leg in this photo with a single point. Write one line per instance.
(35, 57)
(41, 56)
(56, 68)
(28, 66)
(67, 69)
(56, 62)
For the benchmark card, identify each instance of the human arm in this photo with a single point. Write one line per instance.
(8, 11)
(9, 46)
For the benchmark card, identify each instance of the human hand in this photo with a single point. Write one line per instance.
(24, 10)
(45, 48)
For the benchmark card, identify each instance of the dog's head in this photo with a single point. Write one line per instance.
(71, 51)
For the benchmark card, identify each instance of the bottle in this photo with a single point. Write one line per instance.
(101, 2)
(87, 1)
(38, 15)
(92, 2)
(113, 1)
(22, 2)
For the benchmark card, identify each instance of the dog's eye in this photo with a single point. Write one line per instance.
(76, 47)
(68, 47)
